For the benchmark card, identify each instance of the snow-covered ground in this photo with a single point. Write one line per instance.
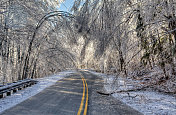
(147, 102)
(16, 98)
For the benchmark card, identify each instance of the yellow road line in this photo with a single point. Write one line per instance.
(82, 101)
(83, 97)
(85, 109)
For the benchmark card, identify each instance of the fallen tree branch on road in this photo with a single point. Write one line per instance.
(129, 90)
(137, 89)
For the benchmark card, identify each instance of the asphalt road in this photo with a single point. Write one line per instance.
(73, 95)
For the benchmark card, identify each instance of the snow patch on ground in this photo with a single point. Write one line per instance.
(16, 98)
(146, 102)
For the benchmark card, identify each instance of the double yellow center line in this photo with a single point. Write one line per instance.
(85, 92)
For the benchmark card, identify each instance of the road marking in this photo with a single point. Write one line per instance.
(82, 101)
(70, 92)
(86, 105)
(83, 97)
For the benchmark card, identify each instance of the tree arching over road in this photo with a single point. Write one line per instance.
(41, 21)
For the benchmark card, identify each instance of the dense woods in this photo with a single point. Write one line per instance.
(128, 37)
(31, 47)
(135, 38)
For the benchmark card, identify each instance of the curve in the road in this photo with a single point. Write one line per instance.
(85, 92)
(74, 94)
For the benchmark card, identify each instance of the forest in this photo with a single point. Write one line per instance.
(130, 38)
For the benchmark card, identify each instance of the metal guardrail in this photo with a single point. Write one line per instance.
(8, 90)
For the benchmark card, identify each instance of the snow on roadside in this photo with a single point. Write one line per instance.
(16, 98)
(146, 102)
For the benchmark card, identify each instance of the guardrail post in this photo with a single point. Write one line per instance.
(15, 90)
(24, 86)
(1, 95)
(4, 95)
(20, 88)
(9, 92)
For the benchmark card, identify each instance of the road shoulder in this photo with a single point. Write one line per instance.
(107, 105)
